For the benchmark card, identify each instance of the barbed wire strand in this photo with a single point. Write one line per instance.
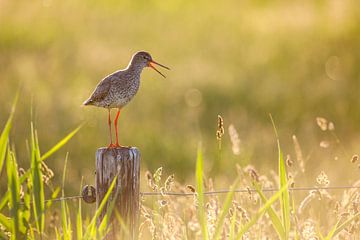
(248, 190)
(217, 192)
(63, 198)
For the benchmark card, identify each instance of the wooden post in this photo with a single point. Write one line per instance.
(125, 163)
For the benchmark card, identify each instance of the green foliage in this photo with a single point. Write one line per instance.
(91, 230)
(79, 222)
(25, 197)
(284, 200)
(37, 183)
(65, 215)
(4, 137)
(275, 219)
(200, 193)
(14, 204)
(260, 212)
(224, 210)
(60, 144)
(24, 212)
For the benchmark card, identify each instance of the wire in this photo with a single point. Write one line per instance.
(247, 190)
(216, 192)
(63, 198)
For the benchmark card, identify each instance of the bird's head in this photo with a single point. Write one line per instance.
(143, 59)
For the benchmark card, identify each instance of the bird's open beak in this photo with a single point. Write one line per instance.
(151, 64)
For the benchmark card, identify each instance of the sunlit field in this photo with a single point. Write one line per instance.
(240, 60)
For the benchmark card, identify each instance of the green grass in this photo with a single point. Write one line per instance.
(200, 193)
(224, 59)
(24, 214)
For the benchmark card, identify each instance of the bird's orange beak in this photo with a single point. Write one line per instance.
(151, 64)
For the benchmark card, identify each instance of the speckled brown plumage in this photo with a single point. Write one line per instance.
(117, 89)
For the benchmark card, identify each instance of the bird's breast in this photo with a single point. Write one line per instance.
(123, 93)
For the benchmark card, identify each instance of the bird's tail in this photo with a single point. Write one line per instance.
(88, 102)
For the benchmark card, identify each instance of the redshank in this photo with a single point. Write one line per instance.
(119, 88)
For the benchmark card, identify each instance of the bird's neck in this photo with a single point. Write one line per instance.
(135, 69)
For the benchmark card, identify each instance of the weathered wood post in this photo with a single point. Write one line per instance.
(123, 162)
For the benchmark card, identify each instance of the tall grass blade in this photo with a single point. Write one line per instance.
(123, 226)
(225, 209)
(200, 193)
(4, 201)
(61, 143)
(53, 196)
(91, 229)
(285, 199)
(6, 222)
(260, 212)
(232, 226)
(37, 183)
(66, 230)
(103, 226)
(4, 137)
(341, 227)
(332, 231)
(79, 224)
(275, 219)
(14, 189)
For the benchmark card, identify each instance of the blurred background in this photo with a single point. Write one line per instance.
(297, 60)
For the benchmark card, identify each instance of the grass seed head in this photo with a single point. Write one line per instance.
(308, 230)
(169, 182)
(191, 188)
(150, 180)
(252, 173)
(220, 128)
(299, 155)
(289, 162)
(48, 174)
(305, 202)
(322, 123)
(324, 144)
(354, 158)
(157, 175)
(163, 203)
(235, 140)
(322, 179)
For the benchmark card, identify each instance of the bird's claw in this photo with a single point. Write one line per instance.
(111, 145)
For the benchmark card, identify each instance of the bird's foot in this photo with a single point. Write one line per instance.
(111, 145)
(116, 145)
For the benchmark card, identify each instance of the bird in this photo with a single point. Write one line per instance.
(119, 88)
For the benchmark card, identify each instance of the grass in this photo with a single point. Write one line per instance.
(24, 214)
(242, 59)
(224, 59)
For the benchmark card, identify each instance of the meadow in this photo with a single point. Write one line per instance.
(238, 59)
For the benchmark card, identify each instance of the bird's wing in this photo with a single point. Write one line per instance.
(101, 90)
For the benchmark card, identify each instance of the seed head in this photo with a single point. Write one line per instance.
(322, 123)
(157, 175)
(331, 126)
(289, 162)
(235, 140)
(169, 182)
(163, 203)
(299, 155)
(322, 179)
(220, 128)
(191, 188)
(354, 158)
(324, 144)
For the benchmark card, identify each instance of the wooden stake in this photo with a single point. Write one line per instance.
(125, 163)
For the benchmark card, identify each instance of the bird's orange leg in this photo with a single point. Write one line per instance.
(109, 122)
(116, 129)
